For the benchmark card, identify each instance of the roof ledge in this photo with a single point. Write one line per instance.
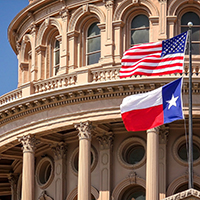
(190, 194)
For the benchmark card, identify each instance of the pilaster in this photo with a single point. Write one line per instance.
(106, 143)
(163, 20)
(60, 151)
(73, 35)
(171, 24)
(107, 48)
(13, 182)
(117, 26)
(40, 50)
(28, 143)
(84, 167)
(33, 67)
(152, 164)
(64, 13)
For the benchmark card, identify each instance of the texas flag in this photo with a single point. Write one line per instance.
(148, 110)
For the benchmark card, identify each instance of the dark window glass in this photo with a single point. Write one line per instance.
(93, 44)
(194, 18)
(56, 56)
(134, 154)
(185, 187)
(136, 193)
(139, 30)
(182, 152)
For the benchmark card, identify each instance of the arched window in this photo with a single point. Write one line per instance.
(139, 30)
(56, 57)
(93, 44)
(184, 187)
(135, 192)
(194, 18)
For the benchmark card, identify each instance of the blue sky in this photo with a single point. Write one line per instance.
(8, 59)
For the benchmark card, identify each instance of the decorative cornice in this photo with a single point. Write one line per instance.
(64, 97)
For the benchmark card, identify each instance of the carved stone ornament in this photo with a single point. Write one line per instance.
(108, 3)
(64, 12)
(84, 129)
(44, 196)
(135, 1)
(132, 177)
(106, 141)
(190, 194)
(29, 142)
(60, 151)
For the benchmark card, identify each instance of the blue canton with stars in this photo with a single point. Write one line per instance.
(174, 45)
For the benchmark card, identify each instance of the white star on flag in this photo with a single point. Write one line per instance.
(172, 102)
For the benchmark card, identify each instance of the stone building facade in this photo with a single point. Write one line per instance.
(61, 132)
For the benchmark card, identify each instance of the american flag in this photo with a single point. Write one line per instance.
(154, 59)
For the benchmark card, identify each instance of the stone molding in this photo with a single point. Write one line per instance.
(185, 195)
(29, 143)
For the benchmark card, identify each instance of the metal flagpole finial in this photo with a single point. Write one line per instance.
(190, 24)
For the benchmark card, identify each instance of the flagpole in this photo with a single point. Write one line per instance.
(190, 155)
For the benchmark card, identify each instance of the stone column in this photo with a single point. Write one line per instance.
(152, 164)
(28, 143)
(84, 166)
(60, 170)
(106, 142)
(13, 182)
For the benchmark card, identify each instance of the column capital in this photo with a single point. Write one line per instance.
(60, 151)
(156, 130)
(12, 180)
(29, 143)
(163, 134)
(85, 129)
(106, 141)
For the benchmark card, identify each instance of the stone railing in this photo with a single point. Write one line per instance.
(106, 74)
(11, 96)
(54, 83)
(66, 80)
